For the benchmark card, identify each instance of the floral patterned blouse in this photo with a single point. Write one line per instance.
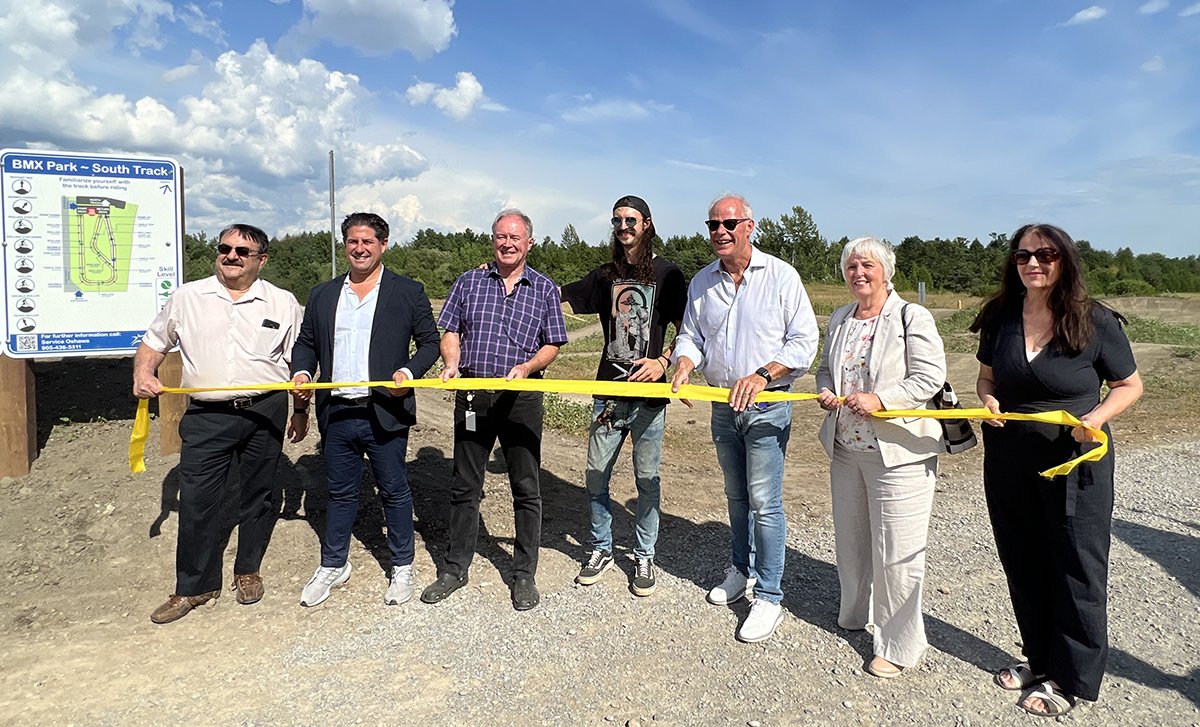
(856, 431)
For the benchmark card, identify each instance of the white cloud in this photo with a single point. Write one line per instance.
(696, 166)
(179, 73)
(1190, 10)
(1154, 6)
(375, 28)
(197, 22)
(613, 109)
(1087, 15)
(458, 103)
(1154, 65)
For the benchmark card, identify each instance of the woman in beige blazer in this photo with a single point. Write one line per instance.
(881, 353)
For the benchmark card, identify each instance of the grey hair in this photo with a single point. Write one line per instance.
(514, 212)
(734, 196)
(874, 248)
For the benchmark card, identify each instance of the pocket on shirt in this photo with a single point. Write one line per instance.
(268, 341)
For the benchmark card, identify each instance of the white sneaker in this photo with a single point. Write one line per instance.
(760, 624)
(732, 589)
(317, 589)
(401, 588)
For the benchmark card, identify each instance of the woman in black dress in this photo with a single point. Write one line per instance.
(1045, 345)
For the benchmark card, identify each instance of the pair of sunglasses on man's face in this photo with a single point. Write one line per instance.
(729, 224)
(1044, 255)
(619, 222)
(240, 250)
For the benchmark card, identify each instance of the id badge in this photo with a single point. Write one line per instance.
(469, 420)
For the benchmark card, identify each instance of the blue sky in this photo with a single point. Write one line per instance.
(942, 119)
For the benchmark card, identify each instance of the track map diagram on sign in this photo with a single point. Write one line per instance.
(93, 247)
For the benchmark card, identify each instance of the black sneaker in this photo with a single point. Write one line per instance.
(643, 577)
(600, 561)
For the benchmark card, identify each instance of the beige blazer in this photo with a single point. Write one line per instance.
(901, 381)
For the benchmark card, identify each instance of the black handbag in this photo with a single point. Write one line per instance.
(957, 434)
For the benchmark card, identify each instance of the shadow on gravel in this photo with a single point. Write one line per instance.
(1177, 554)
(83, 390)
(1127, 666)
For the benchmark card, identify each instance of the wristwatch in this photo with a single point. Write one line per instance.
(764, 373)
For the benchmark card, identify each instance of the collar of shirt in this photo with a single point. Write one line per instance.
(494, 272)
(214, 286)
(757, 262)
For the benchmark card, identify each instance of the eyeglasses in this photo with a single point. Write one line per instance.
(729, 224)
(1043, 254)
(242, 251)
(619, 222)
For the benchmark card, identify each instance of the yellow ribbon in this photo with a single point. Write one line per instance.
(1046, 417)
(141, 423)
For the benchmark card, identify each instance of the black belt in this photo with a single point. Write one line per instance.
(239, 403)
(356, 401)
(468, 374)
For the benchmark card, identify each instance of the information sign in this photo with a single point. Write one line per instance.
(93, 247)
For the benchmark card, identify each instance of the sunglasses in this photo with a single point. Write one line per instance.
(1043, 254)
(241, 250)
(619, 222)
(729, 224)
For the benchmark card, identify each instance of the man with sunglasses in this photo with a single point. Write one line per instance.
(232, 328)
(749, 327)
(637, 295)
(362, 326)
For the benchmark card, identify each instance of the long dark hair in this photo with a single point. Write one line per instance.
(642, 269)
(1070, 305)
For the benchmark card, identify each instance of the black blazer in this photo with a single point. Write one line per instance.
(402, 315)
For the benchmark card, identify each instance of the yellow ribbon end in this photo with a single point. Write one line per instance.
(137, 440)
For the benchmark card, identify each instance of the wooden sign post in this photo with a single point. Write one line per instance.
(170, 406)
(18, 417)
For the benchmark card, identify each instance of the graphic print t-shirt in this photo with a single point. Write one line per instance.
(633, 314)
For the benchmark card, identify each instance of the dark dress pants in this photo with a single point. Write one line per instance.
(211, 437)
(515, 418)
(1052, 537)
(351, 433)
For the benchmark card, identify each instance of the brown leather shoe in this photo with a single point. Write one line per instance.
(248, 588)
(177, 607)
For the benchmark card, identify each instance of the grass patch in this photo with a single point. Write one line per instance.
(588, 344)
(1188, 352)
(955, 336)
(1151, 330)
(567, 416)
(576, 321)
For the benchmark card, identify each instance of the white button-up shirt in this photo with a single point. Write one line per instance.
(730, 330)
(352, 338)
(225, 341)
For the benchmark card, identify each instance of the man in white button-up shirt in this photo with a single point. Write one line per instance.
(231, 328)
(748, 326)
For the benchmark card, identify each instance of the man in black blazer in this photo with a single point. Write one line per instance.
(359, 327)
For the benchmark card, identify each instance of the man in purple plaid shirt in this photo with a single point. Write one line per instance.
(504, 320)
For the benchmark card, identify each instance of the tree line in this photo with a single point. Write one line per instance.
(298, 262)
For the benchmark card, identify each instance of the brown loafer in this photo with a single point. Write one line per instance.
(177, 607)
(248, 588)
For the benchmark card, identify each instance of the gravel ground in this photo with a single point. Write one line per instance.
(593, 655)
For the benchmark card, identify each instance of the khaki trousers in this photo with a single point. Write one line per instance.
(881, 523)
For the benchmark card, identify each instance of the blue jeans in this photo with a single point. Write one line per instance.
(645, 423)
(349, 435)
(750, 448)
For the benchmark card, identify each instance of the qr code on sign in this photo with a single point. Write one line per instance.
(27, 343)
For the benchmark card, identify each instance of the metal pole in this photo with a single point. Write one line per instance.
(332, 223)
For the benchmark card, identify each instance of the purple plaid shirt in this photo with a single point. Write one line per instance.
(500, 331)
